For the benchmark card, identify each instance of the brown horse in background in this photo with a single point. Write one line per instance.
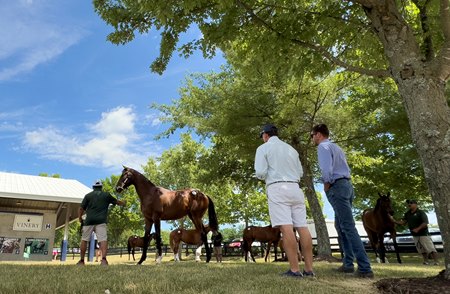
(190, 237)
(261, 234)
(158, 204)
(377, 221)
(136, 241)
(299, 249)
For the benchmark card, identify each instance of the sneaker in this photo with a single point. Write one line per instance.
(104, 262)
(426, 263)
(347, 270)
(436, 263)
(368, 275)
(309, 274)
(81, 262)
(292, 274)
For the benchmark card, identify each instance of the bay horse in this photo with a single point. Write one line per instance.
(261, 234)
(136, 241)
(299, 251)
(377, 221)
(190, 237)
(159, 203)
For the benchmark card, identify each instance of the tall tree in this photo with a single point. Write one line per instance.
(226, 119)
(407, 41)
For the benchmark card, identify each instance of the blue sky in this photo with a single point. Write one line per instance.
(73, 103)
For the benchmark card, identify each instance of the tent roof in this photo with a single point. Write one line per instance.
(23, 193)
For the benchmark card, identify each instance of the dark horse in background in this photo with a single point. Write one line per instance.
(158, 204)
(261, 234)
(378, 221)
(137, 241)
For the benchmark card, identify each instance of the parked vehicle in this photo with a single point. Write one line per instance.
(235, 243)
(405, 241)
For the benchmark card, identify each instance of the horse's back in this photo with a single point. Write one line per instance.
(175, 204)
(262, 234)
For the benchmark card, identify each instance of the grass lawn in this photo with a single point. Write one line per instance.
(231, 276)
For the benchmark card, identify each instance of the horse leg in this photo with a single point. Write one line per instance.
(374, 244)
(198, 253)
(275, 246)
(148, 227)
(267, 251)
(205, 241)
(381, 248)
(244, 246)
(394, 239)
(158, 241)
(176, 251)
(250, 250)
(129, 248)
(133, 250)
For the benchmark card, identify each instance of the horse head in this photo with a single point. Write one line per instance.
(384, 203)
(125, 180)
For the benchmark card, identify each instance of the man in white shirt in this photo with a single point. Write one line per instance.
(278, 164)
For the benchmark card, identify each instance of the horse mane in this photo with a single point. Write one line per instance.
(377, 205)
(140, 175)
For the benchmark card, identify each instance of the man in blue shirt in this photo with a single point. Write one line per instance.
(278, 164)
(340, 194)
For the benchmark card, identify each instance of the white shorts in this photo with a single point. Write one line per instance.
(286, 205)
(100, 230)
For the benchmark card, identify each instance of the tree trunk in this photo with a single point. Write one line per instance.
(429, 118)
(422, 88)
(323, 239)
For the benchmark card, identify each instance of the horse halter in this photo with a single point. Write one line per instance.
(123, 186)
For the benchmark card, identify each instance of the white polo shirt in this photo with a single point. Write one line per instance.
(277, 161)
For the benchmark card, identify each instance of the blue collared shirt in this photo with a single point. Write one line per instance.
(332, 162)
(276, 161)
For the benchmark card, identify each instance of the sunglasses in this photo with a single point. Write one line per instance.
(313, 134)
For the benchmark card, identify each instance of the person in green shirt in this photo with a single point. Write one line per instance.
(95, 204)
(417, 221)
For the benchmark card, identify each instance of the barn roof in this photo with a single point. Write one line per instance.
(22, 193)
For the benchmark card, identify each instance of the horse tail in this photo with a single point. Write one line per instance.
(213, 223)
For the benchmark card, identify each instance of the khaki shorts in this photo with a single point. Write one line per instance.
(100, 230)
(218, 250)
(424, 244)
(286, 205)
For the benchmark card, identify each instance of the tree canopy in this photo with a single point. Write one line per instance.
(407, 41)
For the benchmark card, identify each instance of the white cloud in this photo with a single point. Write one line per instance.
(30, 38)
(109, 143)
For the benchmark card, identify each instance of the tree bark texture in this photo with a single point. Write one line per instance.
(323, 239)
(421, 86)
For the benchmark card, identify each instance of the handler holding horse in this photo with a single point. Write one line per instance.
(279, 165)
(158, 204)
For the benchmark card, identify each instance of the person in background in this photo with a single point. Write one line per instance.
(339, 191)
(278, 164)
(98, 252)
(96, 204)
(417, 221)
(216, 239)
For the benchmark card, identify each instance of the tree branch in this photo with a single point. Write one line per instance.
(314, 47)
(443, 59)
(427, 40)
